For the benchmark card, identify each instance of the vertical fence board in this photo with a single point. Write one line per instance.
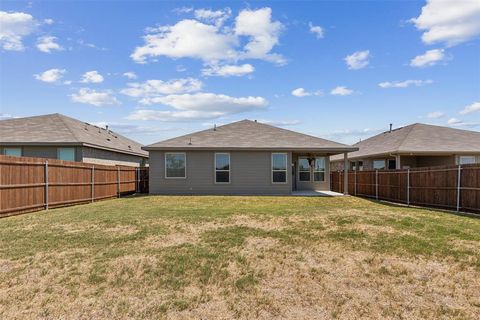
(23, 186)
(431, 187)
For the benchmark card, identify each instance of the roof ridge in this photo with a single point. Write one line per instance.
(62, 118)
(298, 133)
(412, 126)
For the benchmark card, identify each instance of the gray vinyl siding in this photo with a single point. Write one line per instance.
(49, 152)
(250, 173)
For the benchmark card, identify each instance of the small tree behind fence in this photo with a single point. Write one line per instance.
(450, 187)
(31, 184)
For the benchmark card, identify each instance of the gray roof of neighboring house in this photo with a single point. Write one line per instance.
(418, 138)
(57, 129)
(248, 135)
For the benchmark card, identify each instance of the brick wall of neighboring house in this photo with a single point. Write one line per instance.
(106, 157)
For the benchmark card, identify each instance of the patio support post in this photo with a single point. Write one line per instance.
(398, 164)
(46, 184)
(345, 172)
(459, 175)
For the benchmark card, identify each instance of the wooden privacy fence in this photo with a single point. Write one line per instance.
(31, 184)
(450, 187)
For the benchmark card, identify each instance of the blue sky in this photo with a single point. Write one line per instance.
(154, 70)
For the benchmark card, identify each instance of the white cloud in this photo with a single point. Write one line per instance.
(228, 70)
(155, 88)
(92, 77)
(263, 34)
(357, 60)
(429, 58)
(301, 92)
(211, 43)
(449, 21)
(351, 136)
(316, 30)
(126, 128)
(454, 121)
(47, 44)
(48, 21)
(280, 123)
(217, 17)
(474, 107)
(67, 82)
(130, 75)
(5, 116)
(435, 115)
(404, 84)
(341, 91)
(199, 106)
(50, 76)
(96, 98)
(14, 27)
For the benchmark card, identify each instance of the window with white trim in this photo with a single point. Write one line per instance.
(15, 152)
(279, 168)
(304, 169)
(466, 159)
(175, 165)
(222, 168)
(67, 154)
(319, 169)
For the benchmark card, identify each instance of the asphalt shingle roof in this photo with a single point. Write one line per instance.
(248, 135)
(57, 128)
(418, 138)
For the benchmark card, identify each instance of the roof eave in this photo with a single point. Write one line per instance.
(73, 144)
(334, 150)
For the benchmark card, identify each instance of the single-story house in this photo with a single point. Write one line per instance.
(56, 136)
(244, 157)
(416, 145)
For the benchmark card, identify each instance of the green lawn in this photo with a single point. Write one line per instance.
(239, 257)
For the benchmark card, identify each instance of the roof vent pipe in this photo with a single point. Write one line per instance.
(390, 127)
(106, 127)
(214, 127)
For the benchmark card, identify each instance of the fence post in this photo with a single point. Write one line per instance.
(93, 183)
(340, 180)
(408, 187)
(376, 184)
(459, 175)
(46, 184)
(355, 183)
(118, 182)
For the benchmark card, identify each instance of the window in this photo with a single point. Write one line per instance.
(379, 164)
(466, 159)
(319, 169)
(303, 169)
(67, 154)
(16, 152)
(279, 168)
(353, 165)
(175, 165)
(392, 164)
(360, 165)
(222, 168)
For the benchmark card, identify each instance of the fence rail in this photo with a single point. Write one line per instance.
(450, 187)
(31, 184)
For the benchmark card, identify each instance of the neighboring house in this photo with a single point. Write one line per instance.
(416, 145)
(56, 136)
(244, 157)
